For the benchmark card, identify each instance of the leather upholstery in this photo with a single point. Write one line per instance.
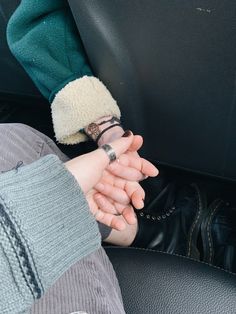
(13, 78)
(154, 282)
(171, 66)
(180, 100)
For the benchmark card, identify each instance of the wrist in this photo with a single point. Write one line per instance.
(111, 135)
(104, 130)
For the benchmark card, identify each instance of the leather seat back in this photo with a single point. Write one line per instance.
(13, 79)
(171, 66)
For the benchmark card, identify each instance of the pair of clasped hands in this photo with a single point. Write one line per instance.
(113, 189)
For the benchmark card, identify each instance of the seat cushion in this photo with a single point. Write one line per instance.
(154, 282)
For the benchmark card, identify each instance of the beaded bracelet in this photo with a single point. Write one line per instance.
(103, 131)
(93, 128)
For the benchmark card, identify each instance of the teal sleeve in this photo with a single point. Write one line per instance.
(45, 227)
(43, 37)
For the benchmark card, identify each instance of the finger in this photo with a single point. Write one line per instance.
(88, 169)
(120, 146)
(129, 167)
(125, 172)
(119, 182)
(110, 220)
(148, 168)
(105, 204)
(137, 200)
(135, 161)
(132, 167)
(127, 212)
(136, 144)
(92, 205)
(108, 177)
(115, 193)
(136, 193)
(129, 215)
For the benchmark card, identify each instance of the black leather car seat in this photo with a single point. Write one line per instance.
(151, 282)
(154, 282)
(13, 79)
(20, 100)
(171, 66)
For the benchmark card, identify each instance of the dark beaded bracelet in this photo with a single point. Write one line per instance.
(108, 128)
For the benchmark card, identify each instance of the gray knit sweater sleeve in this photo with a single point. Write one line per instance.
(45, 227)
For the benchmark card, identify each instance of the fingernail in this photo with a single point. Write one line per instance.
(127, 133)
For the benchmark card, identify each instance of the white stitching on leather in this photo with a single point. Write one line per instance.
(174, 254)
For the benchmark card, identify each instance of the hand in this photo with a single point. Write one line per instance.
(117, 181)
(109, 212)
(121, 191)
(116, 193)
(88, 170)
(131, 166)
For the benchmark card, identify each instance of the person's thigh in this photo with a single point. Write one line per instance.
(91, 284)
(21, 145)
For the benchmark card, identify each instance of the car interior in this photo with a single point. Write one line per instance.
(171, 67)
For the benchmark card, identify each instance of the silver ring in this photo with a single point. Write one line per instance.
(109, 151)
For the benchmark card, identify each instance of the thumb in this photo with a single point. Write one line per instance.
(88, 169)
(119, 147)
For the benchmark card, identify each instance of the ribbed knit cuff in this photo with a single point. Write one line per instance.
(78, 104)
(45, 224)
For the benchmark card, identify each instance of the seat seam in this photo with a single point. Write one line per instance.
(174, 254)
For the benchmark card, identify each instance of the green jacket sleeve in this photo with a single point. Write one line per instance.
(43, 37)
(45, 227)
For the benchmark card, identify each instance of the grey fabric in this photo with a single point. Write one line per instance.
(21, 144)
(45, 228)
(91, 284)
(24, 145)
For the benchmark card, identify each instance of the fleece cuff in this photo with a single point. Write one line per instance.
(78, 104)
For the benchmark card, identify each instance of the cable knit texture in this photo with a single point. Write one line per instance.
(45, 227)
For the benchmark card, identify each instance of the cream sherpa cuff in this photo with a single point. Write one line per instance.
(78, 104)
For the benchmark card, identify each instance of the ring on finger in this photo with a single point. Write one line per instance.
(109, 151)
